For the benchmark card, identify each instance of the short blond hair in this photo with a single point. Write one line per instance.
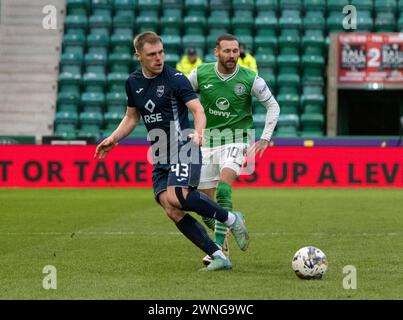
(145, 37)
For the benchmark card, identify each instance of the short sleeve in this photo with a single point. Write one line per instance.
(130, 100)
(183, 88)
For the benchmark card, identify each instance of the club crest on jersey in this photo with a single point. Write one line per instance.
(160, 91)
(150, 106)
(239, 89)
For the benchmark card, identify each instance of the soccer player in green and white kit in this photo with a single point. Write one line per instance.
(226, 91)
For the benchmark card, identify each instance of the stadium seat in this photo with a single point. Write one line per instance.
(98, 43)
(219, 19)
(69, 118)
(172, 43)
(172, 18)
(171, 59)
(266, 5)
(89, 132)
(290, 5)
(313, 42)
(172, 4)
(287, 126)
(91, 119)
(288, 64)
(147, 22)
(314, 20)
(209, 57)
(389, 6)
(120, 62)
(336, 6)
(124, 24)
(385, 22)
(313, 69)
(289, 103)
(67, 101)
(112, 119)
(242, 19)
(312, 124)
(149, 5)
(95, 62)
(71, 62)
(93, 102)
(74, 43)
(117, 82)
(312, 99)
(288, 83)
(212, 37)
(102, 7)
(334, 22)
(220, 4)
(365, 22)
(315, 5)
(269, 77)
(78, 7)
(70, 83)
(66, 131)
(76, 24)
(116, 101)
(100, 24)
(265, 59)
(363, 5)
(196, 5)
(94, 82)
(400, 23)
(139, 132)
(194, 37)
(122, 43)
(289, 42)
(123, 7)
(243, 5)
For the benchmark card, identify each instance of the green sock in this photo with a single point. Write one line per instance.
(210, 222)
(224, 199)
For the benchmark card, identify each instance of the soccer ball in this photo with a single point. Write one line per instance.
(309, 263)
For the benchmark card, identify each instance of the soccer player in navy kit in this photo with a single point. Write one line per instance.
(161, 95)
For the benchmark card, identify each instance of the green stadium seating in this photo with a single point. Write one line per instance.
(315, 5)
(220, 4)
(100, 24)
(112, 119)
(98, 43)
(209, 57)
(243, 5)
(71, 62)
(89, 132)
(120, 62)
(102, 7)
(242, 19)
(289, 103)
(95, 62)
(334, 6)
(314, 20)
(124, 24)
(172, 3)
(66, 131)
(94, 82)
(365, 22)
(312, 125)
(196, 5)
(288, 83)
(287, 126)
(150, 5)
(116, 101)
(122, 43)
(385, 22)
(74, 43)
(313, 69)
(171, 59)
(78, 7)
(363, 5)
(290, 5)
(124, 6)
(147, 22)
(67, 101)
(265, 59)
(312, 100)
(76, 24)
(289, 42)
(266, 5)
(389, 6)
(66, 118)
(400, 23)
(313, 42)
(288, 63)
(69, 83)
(91, 120)
(212, 37)
(139, 132)
(93, 102)
(334, 22)
(117, 82)
(219, 19)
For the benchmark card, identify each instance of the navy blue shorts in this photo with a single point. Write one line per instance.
(175, 175)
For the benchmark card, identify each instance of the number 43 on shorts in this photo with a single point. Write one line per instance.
(180, 169)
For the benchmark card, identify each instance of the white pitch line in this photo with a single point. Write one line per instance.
(128, 233)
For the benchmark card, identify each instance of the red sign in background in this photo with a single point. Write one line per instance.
(371, 58)
(127, 166)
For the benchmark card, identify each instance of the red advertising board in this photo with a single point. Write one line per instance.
(370, 58)
(127, 166)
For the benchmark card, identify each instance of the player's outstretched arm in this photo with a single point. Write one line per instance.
(126, 126)
(199, 120)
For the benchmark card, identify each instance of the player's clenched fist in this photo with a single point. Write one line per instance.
(104, 147)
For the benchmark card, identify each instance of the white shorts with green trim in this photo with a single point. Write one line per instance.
(215, 159)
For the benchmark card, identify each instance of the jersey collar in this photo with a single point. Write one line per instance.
(229, 76)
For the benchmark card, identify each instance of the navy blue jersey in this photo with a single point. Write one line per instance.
(161, 100)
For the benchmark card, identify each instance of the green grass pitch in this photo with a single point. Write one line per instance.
(118, 244)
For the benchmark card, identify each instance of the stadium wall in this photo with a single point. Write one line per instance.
(127, 166)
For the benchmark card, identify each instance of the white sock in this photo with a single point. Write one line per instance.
(231, 219)
(220, 254)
